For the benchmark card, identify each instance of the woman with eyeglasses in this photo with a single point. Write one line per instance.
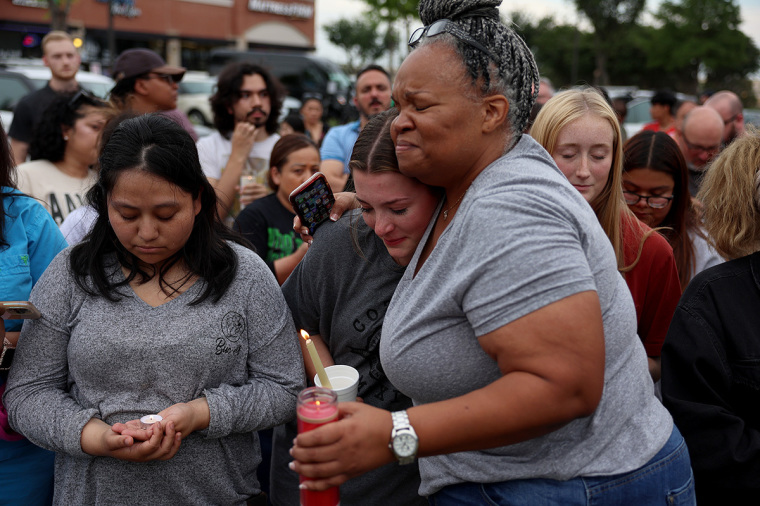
(656, 189)
(580, 131)
(63, 152)
(511, 328)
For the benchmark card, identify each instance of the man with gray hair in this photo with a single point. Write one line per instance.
(700, 140)
(730, 108)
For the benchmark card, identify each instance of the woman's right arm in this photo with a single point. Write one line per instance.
(552, 364)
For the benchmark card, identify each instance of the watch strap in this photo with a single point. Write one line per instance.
(402, 426)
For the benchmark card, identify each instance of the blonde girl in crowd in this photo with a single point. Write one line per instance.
(580, 131)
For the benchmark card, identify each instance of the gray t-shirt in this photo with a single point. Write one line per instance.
(89, 357)
(522, 239)
(336, 293)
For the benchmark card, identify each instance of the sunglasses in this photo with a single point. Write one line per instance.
(167, 78)
(85, 97)
(447, 26)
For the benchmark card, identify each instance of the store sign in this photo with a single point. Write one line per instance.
(124, 8)
(304, 11)
(40, 4)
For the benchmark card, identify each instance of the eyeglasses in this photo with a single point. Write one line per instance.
(711, 150)
(446, 26)
(309, 95)
(653, 201)
(84, 96)
(167, 78)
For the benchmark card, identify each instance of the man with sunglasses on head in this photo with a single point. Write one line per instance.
(700, 140)
(373, 95)
(63, 60)
(246, 109)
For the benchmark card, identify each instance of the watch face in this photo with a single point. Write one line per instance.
(405, 445)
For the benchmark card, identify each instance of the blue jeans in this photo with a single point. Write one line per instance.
(665, 480)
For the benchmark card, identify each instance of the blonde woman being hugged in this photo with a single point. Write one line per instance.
(580, 131)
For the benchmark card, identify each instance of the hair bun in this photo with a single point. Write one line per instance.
(433, 10)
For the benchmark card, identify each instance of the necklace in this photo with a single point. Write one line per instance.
(452, 206)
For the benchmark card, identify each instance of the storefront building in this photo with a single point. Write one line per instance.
(183, 31)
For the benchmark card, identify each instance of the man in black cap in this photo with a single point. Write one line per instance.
(144, 82)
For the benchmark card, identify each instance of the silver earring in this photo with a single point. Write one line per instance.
(65, 137)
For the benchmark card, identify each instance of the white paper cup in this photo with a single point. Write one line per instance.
(345, 381)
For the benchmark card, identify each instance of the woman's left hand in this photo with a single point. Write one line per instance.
(188, 416)
(338, 451)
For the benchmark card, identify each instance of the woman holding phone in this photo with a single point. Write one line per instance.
(528, 379)
(268, 222)
(29, 239)
(161, 310)
(339, 293)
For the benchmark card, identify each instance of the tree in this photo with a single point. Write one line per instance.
(59, 14)
(610, 19)
(701, 38)
(393, 12)
(563, 53)
(361, 41)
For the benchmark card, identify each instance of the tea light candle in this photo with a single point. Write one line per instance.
(316, 360)
(149, 420)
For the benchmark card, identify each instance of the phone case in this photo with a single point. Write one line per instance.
(19, 309)
(312, 201)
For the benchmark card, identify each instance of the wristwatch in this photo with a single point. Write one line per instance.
(6, 355)
(404, 442)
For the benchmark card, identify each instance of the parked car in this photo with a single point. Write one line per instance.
(13, 86)
(194, 92)
(638, 104)
(752, 117)
(98, 84)
(18, 81)
(300, 73)
(196, 88)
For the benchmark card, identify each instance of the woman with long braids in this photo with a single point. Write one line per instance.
(511, 328)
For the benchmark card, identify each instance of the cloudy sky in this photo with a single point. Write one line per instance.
(328, 11)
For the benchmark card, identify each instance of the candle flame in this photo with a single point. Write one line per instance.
(317, 403)
(304, 334)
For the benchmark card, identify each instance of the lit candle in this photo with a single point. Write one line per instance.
(149, 420)
(316, 360)
(316, 407)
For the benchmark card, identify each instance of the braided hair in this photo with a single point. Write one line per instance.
(510, 70)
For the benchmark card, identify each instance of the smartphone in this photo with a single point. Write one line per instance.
(312, 201)
(19, 310)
